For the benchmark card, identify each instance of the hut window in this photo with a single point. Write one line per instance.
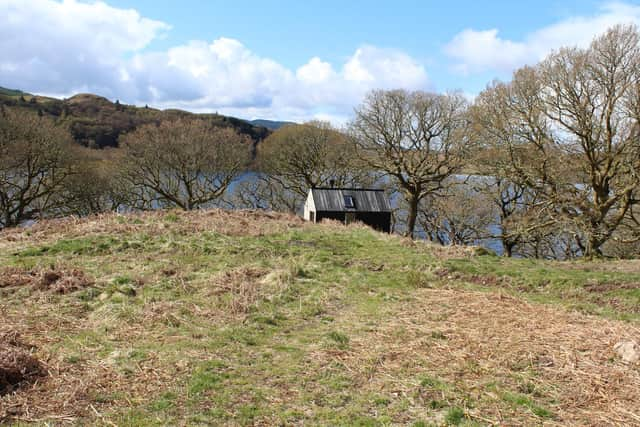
(349, 203)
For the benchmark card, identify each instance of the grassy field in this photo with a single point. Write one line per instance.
(221, 318)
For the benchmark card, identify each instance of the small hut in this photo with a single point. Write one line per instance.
(347, 205)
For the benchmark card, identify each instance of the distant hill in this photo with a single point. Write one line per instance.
(269, 124)
(11, 92)
(96, 122)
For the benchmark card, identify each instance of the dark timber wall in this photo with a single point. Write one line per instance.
(380, 221)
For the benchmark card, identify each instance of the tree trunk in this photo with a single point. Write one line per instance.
(508, 249)
(592, 248)
(11, 220)
(412, 215)
(7, 220)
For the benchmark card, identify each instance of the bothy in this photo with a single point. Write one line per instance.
(369, 206)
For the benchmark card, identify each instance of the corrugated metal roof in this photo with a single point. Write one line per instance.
(332, 199)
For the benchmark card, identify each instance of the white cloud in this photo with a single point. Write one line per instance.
(315, 72)
(228, 77)
(50, 46)
(484, 50)
(65, 47)
(384, 67)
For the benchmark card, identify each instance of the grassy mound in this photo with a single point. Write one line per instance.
(244, 318)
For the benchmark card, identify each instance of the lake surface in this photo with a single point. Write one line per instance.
(396, 202)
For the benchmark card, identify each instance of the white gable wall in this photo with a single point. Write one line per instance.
(309, 206)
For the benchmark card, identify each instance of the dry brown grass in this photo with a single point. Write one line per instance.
(65, 391)
(479, 345)
(242, 289)
(449, 252)
(471, 340)
(62, 281)
(231, 223)
(60, 392)
(617, 266)
(81, 390)
(443, 252)
(18, 367)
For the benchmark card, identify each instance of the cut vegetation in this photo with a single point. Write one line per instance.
(247, 318)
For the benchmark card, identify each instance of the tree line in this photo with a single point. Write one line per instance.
(547, 164)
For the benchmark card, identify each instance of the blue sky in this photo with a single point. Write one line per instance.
(290, 60)
(292, 31)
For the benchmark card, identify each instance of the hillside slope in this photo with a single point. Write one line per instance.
(270, 124)
(96, 122)
(247, 318)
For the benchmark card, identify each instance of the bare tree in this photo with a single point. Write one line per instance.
(96, 186)
(185, 163)
(569, 127)
(416, 138)
(515, 205)
(463, 216)
(262, 191)
(625, 241)
(296, 158)
(36, 159)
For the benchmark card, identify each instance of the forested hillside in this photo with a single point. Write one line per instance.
(96, 122)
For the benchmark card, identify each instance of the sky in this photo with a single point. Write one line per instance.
(283, 60)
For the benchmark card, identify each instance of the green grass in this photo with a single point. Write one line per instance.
(208, 377)
(85, 246)
(526, 401)
(340, 339)
(577, 286)
(454, 416)
(306, 347)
